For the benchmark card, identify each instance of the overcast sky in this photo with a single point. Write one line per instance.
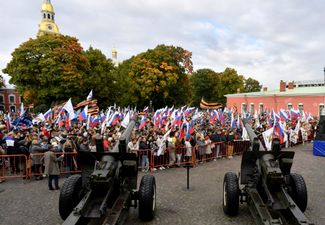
(265, 40)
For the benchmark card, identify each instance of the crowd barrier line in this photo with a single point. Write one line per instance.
(32, 165)
(182, 155)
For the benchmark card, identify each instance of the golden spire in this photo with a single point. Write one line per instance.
(47, 24)
(114, 56)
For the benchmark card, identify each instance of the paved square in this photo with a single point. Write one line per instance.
(24, 202)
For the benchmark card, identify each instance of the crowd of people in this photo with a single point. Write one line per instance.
(167, 135)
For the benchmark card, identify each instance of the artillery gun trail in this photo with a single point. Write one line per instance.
(107, 187)
(274, 195)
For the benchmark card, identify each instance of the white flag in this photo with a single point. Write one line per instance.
(90, 95)
(268, 137)
(22, 110)
(69, 108)
(41, 117)
(126, 120)
(244, 135)
(163, 143)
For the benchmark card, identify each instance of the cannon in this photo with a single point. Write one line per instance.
(107, 186)
(273, 194)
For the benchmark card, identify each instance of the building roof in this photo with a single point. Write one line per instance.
(297, 91)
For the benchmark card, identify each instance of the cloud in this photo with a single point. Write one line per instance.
(266, 40)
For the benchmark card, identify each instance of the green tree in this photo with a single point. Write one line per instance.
(231, 83)
(252, 85)
(49, 68)
(159, 75)
(101, 77)
(2, 81)
(205, 84)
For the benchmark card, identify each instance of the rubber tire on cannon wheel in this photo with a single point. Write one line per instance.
(230, 194)
(147, 197)
(69, 195)
(298, 191)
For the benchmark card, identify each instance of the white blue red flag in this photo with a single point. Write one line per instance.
(283, 115)
(47, 114)
(83, 114)
(142, 122)
(232, 122)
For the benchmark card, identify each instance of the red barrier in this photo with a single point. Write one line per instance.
(144, 159)
(241, 146)
(14, 166)
(69, 163)
(177, 156)
(67, 166)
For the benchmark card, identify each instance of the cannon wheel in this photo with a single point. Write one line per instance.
(230, 194)
(69, 195)
(147, 197)
(298, 191)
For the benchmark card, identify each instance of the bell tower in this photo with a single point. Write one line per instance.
(47, 24)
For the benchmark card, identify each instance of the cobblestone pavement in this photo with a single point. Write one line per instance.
(30, 202)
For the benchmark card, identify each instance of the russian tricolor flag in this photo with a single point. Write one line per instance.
(295, 114)
(83, 114)
(95, 121)
(232, 122)
(276, 117)
(182, 131)
(189, 130)
(48, 114)
(222, 119)
(115, 117)
(278, 129)
(283, 115)
(142, 122)
(178, 120)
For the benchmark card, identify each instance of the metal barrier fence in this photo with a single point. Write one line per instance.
(181, 155)
(15, 166)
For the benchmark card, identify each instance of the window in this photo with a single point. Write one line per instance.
(2, 109)
(44, 16)
(321, 108)
(52, 17)
(1, 99)
(21, 99)
(301, 108)
(243, 108)
(12, 108)
(48, 16)
(261, 108)
(289, 106)
(252, 109)
(11, 99)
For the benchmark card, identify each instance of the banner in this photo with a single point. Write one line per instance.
(268, 137)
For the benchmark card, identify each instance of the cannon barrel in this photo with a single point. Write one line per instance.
(256, 143)
(121, 145)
